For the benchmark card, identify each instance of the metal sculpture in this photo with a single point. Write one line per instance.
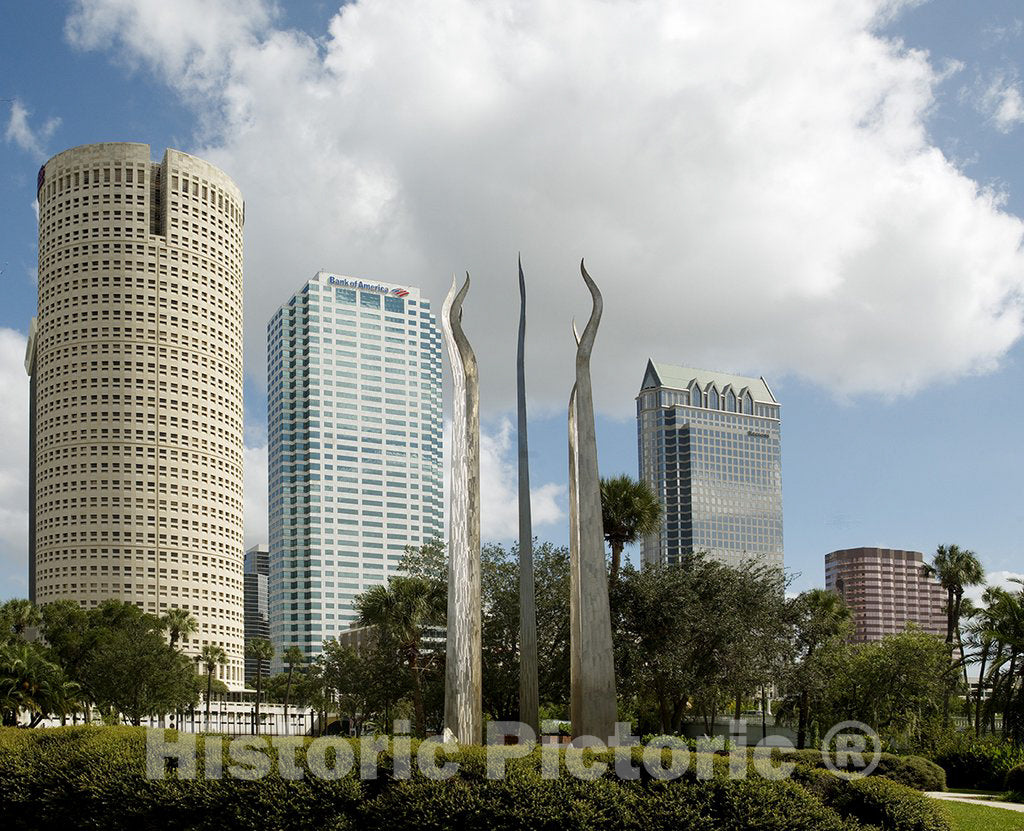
(529, 697)
(574, 559)
(592, 665)
(462, 689)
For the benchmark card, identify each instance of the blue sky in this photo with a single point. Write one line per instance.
(828, 194)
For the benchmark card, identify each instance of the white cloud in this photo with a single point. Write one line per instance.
(30, 140)
(1011, 31)
(1003, 103)
(1000, 579)
(182, 40)
(499, 489)
(752, 183)
(499, 486)
(255, 489)
(14, 481)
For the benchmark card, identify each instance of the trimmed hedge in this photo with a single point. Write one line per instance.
(877, 802)
(913, 771)
(94, 778)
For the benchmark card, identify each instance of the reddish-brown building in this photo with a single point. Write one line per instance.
(886, 589)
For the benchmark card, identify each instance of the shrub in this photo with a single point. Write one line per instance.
(876, 801)
(982, 763)
(912, 771)
(93, 778)
(1015, 783)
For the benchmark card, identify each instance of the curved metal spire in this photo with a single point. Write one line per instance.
(463, 671)
(593, 705)
(586, 342)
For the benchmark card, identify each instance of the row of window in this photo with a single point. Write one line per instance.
(219, 567)
(70, 177)
(129, 174)
(133, 481)
(127, 307)
(220, 289)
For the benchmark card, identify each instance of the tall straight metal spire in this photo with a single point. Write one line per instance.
(528, 688)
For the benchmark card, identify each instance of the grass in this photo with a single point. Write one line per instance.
(967, 817)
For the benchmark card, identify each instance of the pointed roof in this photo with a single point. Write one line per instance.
(682, 377)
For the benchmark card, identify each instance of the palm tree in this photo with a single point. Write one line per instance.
(1008, 634)
(630, 510)
(30, 682)
(17, 615)
(179, 624)
(211, 655)
(293, 656)
(261, 650)
(980, 630)
(955, 568)
(401, 610)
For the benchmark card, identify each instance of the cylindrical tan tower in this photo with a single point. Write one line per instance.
(136, 364)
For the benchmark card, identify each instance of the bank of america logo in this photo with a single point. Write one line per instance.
(399, 292)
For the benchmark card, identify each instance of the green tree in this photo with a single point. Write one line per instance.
(1005, 630)
(499, 588)
(366, 685)
(426, 562)
(347, 677)
(314, 687)
(32, 684)
(821, 618)
(630, 510)
(119, 658)
(690, 638)
(896, 685)
(293, 657)
(135, 672)
(754, 618)
(955, 568)
(70, 635)
(663, 644)
(180, 625)
(303, 691)
(551, 575)
(16, 616)
(499, 580)
(66, 631)
(980, 645)
(260, 650)
(274, 686)
(401, 611)
(209, 658)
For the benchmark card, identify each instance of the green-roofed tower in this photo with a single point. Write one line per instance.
(710, 446)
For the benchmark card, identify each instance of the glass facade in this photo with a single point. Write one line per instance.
(354, 433)
(710, 446)
(257, 617)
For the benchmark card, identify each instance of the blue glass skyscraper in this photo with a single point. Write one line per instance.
(355, 442)
(710, 445)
